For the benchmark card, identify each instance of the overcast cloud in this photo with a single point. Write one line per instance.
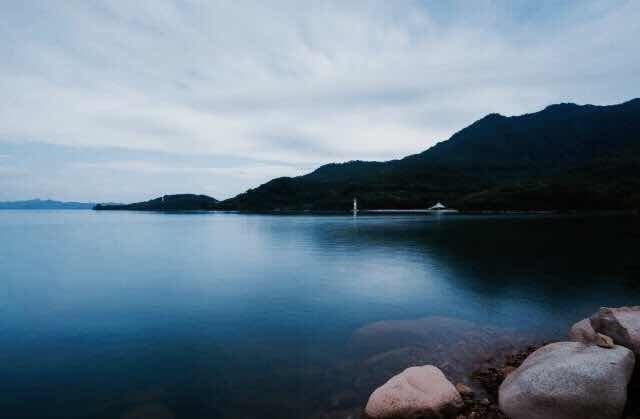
(122, 100)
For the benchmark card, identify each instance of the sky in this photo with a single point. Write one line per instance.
(121, 101)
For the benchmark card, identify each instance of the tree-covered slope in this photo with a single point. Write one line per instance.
(181, 202)
(565, 156)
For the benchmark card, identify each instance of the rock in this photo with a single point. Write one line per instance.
(569, 380)
(416, 392)
(508, 370)
(458, 347)
(605, 341)
(379, 368)
(438, 334)
(583, 332)
(621, 324)
(464, 390)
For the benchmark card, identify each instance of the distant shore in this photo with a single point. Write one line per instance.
(382, 212)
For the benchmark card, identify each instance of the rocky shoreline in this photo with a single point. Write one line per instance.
(592, 375)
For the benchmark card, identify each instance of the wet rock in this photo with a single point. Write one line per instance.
(457, 347)
(464, 390)
(583, 332)
(569, 380)
(416, 392)
(434, 332)
(621, 324)
(604, 341)
(508, 370)
(377, 369)
(490, 379)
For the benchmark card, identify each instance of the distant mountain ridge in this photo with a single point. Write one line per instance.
(179, 202)
(45, 204)
(566, 156)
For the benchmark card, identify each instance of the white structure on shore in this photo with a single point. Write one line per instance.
(355, 206)
(438, 207)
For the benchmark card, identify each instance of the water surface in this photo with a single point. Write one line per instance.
(130, 315)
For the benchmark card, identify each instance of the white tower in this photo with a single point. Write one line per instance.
(355, 206)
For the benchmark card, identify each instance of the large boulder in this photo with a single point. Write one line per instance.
(569, 380)
(621, 324)
(417, 392)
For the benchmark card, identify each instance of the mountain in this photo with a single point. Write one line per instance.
(45, 204)
(182, 202)
(563, 157)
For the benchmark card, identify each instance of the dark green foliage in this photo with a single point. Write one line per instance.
(182, 202)
(563, 157)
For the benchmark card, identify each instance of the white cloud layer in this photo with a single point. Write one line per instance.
(296, 83)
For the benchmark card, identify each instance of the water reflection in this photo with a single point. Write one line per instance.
(113, 315)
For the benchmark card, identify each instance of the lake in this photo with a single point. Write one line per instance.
(213, 315)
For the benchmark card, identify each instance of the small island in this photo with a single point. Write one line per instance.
(45, 204)
(179, 202)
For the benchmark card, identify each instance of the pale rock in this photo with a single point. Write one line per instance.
(416, 392)
(464, 390)
(621, 324)
(569, 380)
(605, 341)
(583, 332)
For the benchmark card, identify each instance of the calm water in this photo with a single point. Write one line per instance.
(131, 315)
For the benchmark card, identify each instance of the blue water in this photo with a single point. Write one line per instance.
(131, 315)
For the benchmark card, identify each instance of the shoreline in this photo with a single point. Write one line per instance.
(380, 212)
(590, 374)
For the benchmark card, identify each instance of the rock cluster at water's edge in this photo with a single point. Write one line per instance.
(591, 377)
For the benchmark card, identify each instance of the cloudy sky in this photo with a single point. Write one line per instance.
(124, 101)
